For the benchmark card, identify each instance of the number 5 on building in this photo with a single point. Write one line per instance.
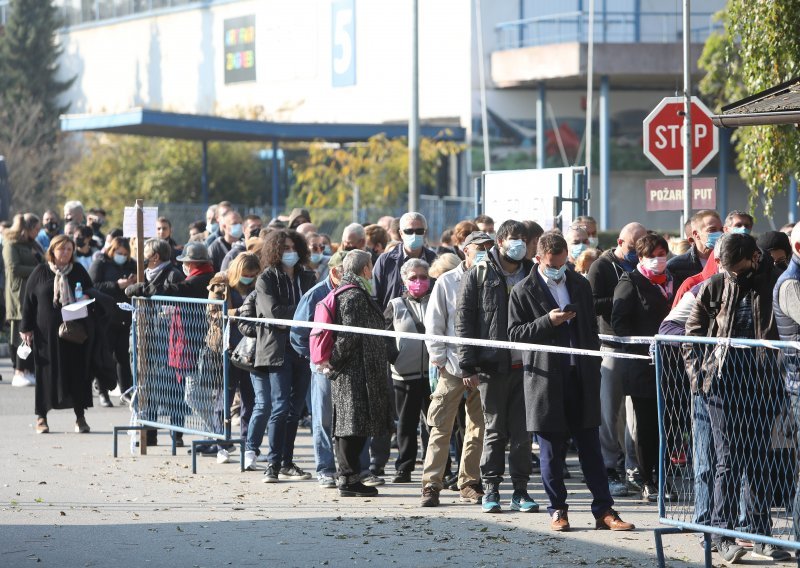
(343, 43)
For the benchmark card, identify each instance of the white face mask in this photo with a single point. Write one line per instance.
(656, 265)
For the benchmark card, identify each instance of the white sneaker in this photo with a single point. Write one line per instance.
(20, 380)
(30, 377)
(250, 461)
(223, 456)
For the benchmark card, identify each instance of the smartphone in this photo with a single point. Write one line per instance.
(570, 308)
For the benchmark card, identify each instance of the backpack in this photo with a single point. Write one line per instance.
(321, 341)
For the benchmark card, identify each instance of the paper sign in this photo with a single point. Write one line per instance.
(150, 218)
(76, 310)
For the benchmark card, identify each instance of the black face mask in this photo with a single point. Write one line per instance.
(783, 264)
(80, 242)
(95, 226)
(51, 227)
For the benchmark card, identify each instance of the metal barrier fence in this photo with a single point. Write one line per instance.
(180, 370)
(728, 441)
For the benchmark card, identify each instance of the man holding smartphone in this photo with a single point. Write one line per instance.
(554, 306)
(482, 313)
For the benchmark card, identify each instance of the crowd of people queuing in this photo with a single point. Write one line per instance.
(458, 407)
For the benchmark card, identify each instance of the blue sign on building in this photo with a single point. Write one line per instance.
(343, 43)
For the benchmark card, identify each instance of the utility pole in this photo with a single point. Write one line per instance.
(687, 114)
(413, 122)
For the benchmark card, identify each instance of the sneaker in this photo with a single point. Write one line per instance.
(769, 552)
(293, 473)
(615, 485)
(223, 456)
(250, 461)
(472, 494)
(703, 544)
(105, 400)
(650, 493)
(30, 377)
(371, 480)
(746, 544)
(326, 481)
(523, 502)
(81, 427)
(357, 489)
(491, 501)
(634, 479)
(730, 551)
(430, 497)
(670, 494)
(41, 425)
(402, 477)
(271, 475)
(19, 380)
(125, 399)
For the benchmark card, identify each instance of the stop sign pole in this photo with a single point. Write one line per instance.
(687, 116)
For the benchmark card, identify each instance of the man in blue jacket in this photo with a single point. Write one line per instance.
(321, 404)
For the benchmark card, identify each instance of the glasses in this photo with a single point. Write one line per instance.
(414, 277)
(317, 248)
(419, 231)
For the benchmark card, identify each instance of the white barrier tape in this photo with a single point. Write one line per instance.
(444, 338)
(635, 340)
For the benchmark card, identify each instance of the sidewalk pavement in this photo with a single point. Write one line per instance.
(65, 501)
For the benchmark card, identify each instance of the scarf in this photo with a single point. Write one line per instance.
(62, 293)
(151, 273)
(199, 269)
(660, 280)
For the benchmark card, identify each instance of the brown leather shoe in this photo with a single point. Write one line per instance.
(560, 521)
(472, 494)
(430, 497)
(612, 521)
(41, 425)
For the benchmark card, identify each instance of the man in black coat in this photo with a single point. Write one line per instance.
(482, 313)
(562, 391)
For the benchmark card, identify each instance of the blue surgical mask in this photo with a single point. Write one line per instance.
(515, 249)
(577, 249)
(479, 256)
(120, 258)
(740, 230)
(212, 227)
(712, 239)
(593, 242)
(289, 259)
(414, 242)
(316, 257)
(247, 280)
(555, 273)
(631, 257)
(328, 250)
(236, 231)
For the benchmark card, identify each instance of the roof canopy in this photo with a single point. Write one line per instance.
(777, 105)
(144, 122)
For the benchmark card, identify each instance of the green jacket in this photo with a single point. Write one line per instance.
(20, 258)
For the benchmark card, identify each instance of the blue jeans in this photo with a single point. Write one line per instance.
(704, 461)
(289, 385)
(261, 411)
(322, 424)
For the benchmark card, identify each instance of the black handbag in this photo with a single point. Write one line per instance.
(73, 331)
(243, 355)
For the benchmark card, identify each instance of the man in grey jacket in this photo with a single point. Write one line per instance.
(450, 390)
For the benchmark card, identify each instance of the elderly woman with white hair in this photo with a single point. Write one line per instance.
(358, 373)
(409, 358)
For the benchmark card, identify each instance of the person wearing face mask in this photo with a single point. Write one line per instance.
(450, 390)
(232, 233)
(578, 241)
(50, 228)
(777, 245)
(409, 363)
(317, 260)
(388, 283)
(482, 313)
(84, 246)
(588, 224)
(742, 390)
(738, 222)
(279, 288)
(112, 273)
(553, 306)
(642, 300)
(73, 212)
(485, 224)
(95, 221)
(252, 228)
(214, 226)
(706, 230)
(619, 455)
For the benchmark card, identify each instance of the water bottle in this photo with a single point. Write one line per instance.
(78, 291)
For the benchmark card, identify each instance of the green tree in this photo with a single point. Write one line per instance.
(116, 170)
(758, 48)
(379, 167)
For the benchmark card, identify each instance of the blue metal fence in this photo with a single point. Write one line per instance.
(180, 369)
(728, 441)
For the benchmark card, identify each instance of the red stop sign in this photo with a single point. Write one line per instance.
(663, 136)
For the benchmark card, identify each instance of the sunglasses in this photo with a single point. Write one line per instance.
(414, 231)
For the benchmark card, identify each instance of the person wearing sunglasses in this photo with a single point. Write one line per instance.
(388, 283)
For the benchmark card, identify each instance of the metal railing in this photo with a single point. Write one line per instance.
(79, 12)
(610, 27)
(729, 429)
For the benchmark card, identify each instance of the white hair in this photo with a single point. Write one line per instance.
(410, 265)
(354, 229)
(412, 216)
(72, 206)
